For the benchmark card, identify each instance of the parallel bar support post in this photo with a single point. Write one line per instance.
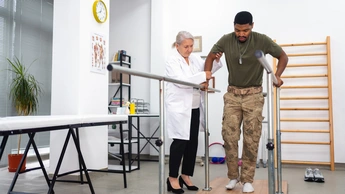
(161, 138)
(270, 140)
(271, 78)
(207, 134)
(278, 136)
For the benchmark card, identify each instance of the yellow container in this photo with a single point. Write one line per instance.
(132, 108)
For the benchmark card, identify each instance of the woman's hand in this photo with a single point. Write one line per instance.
(205, 84)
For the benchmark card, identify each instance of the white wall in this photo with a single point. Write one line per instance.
(287, 22)
(75, 89)
(130, 30)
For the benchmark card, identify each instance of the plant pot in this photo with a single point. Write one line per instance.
(13, 162)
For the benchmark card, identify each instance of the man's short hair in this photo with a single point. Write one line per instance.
(243, 17)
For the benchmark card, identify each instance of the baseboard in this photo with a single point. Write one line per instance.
(200, 160)
(33, 158)
(337, 166)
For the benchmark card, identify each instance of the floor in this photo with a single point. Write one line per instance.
(260, 186)
(145, 181)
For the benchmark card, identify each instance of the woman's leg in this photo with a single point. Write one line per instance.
(190, 151)
(177, 148)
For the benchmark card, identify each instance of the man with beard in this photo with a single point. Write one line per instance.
(243, 103)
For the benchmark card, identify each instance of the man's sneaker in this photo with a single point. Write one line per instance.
(231, 185)
(308, 174)
(248, 188)
(318, 177)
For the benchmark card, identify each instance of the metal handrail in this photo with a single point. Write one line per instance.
(270, 141)
(261, 57)
(160, 141)
(114, 66)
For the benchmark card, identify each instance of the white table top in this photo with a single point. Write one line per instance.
(34, 122)
(143, 115)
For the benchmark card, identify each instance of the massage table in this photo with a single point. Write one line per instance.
(34, 124)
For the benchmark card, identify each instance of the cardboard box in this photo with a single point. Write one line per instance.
(115, 77)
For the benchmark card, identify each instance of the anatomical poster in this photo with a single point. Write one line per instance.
(98, 54)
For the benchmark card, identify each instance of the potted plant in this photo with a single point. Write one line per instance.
(24, 92)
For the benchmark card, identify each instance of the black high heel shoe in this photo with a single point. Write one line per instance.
(170, 188)
(192, 188)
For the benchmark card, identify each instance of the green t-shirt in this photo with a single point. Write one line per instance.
(250, 72)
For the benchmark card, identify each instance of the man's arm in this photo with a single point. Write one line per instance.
(282, 63)
(209, 61)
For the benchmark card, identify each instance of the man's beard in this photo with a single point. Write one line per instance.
(243, 40)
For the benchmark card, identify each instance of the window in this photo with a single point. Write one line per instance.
(26, 31)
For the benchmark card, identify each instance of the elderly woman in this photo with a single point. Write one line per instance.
(184, 111)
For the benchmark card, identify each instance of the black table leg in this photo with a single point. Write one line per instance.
(58, 165)
(82, 160)
(3, 145)
(138, 137)
(149, 141)
(122, 150)
(40, 160)
(130, 162)
(80, 167)
(14, 180)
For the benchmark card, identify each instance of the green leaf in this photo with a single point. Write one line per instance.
(24, 88)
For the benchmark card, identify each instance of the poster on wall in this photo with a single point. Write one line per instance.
(98, 54)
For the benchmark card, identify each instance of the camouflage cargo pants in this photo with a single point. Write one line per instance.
(238, 108)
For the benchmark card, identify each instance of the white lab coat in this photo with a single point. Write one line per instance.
(178, 98)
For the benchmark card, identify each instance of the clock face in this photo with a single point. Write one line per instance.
(100, 11)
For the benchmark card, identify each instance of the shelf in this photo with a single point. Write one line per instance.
(118, 141)
(114, 106)
(118, 84)
(118, 63)
(119, 167)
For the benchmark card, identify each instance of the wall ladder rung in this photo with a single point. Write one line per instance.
(303, 120)
(306, 142)
(303, 44)
(305, 130)
(304, 76)
(305, 162)
(304, 108)
(305, 98)
(306, 65)
(302, 87)
(305, 54)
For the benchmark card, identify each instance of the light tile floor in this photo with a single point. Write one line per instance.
(145, 181)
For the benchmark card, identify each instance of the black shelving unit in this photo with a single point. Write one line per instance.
(119, 82)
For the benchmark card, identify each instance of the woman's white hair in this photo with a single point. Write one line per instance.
(181, 36)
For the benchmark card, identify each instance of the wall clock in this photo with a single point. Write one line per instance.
(100, 11)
